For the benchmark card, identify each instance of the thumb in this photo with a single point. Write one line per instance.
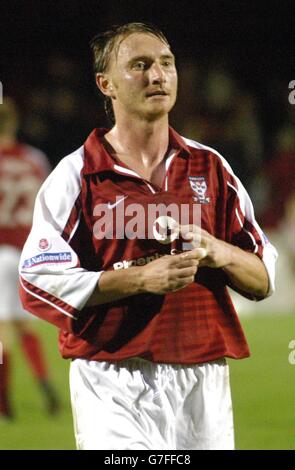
(200, 253)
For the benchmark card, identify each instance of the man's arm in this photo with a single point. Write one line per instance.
(166, 274)
(245, 270)
(53, 285)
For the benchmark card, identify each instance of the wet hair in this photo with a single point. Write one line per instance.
(104, 44)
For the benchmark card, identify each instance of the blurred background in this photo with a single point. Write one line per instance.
(235, 61)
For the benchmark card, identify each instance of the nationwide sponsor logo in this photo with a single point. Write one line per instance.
(46, 258)
(199, 186)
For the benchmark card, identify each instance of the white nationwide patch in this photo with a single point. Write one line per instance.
(199, 186)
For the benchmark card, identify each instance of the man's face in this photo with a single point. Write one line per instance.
(143, 76)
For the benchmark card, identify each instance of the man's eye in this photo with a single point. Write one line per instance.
(140, 65)
(167, 63)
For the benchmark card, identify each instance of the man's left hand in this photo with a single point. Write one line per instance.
(214, 253)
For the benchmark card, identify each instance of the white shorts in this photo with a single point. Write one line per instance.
(139, 405)
(10, 305)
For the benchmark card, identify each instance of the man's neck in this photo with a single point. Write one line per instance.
(145, 142)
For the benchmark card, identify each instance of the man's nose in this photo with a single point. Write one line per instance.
(157, 74)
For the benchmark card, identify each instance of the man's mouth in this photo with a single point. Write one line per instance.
(157, 93)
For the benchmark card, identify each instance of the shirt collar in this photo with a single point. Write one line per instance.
(177, 142)
(97, 159)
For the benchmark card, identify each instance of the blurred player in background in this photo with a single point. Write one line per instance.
(147, 325)
(22, 171)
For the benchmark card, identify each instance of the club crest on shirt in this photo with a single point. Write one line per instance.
(199, 186)
(44, 244)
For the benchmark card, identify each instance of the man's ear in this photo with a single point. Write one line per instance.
(104, 84)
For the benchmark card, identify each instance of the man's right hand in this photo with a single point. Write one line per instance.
(170, 272)
(166, 274)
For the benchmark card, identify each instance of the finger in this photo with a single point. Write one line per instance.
(201, 253)
(186, 272)
(192, 264)
(193, 228)
(192, 254)
(195, 233)
(184, 256)
(185, 281)
(190, 232)
(187, 263)
(187, 255)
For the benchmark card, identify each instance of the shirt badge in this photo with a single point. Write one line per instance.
(44, 244)
(199, 186)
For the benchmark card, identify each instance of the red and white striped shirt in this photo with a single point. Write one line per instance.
(65, 255)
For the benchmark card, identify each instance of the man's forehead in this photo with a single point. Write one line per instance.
(141, 44)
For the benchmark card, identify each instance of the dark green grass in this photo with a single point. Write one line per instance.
(263, 389)
(33, 428)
